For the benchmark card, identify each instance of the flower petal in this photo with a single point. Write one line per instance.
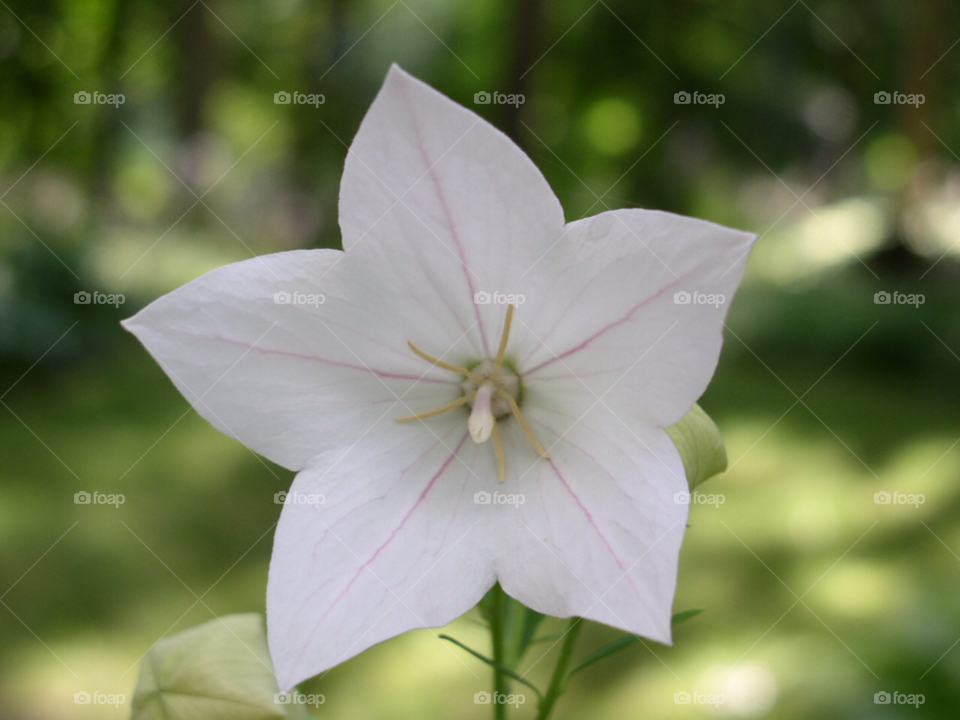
(427, 179)
(398, 543)
(293, 380)
(599, 532)
(622, 323)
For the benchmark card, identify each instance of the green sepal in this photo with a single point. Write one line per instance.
(700, 444)
(220, 670)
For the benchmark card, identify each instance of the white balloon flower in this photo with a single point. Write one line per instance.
(476, 390)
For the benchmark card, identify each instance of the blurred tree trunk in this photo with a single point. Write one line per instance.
(528, 20)
(924, 43)
(196, 64)
(105, 153)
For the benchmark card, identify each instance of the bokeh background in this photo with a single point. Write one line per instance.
(816, 596)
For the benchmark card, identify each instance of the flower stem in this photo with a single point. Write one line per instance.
(497, 631)
(558, 682)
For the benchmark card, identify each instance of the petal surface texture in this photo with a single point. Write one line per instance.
(620, 320)
(430, 182)
(291, 380)
(397, 544)
(599, 531)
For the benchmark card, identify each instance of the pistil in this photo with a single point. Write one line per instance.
(481, 422)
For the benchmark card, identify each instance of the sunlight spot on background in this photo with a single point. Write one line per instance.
(243, 116)
(173, 261)
(798, 251)
(932, 221)
(613, 126)
(749, 689)
(43, 688)
(831, 112)
(858, 589)
(142, 186)
(813, 521)
(889, 161)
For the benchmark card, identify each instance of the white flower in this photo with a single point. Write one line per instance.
(442, 215)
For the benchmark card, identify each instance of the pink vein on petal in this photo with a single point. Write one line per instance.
(666, 288)
(593, 524)
(450, 223)
(385, 543)
(337, 363)
(589, 516)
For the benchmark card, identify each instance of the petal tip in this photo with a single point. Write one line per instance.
(397, 74)
(667, 639)
(130, 324)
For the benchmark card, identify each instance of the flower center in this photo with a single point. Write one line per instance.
(492, 390)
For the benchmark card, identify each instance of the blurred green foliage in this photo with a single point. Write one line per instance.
(816, 597)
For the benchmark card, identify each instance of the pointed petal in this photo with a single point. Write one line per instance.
(427, 178)
(599, 532)
(623, 322)
(293, 380)
(396, 544)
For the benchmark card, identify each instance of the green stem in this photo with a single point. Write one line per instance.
(558, 682)
(496, 630)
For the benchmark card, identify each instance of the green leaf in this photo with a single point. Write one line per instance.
(625, 640)
(685, 615)
(609, 649)
(492, 663)
(700, 444)
(220, 670)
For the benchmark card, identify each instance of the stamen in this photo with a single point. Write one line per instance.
(445, 365)
(503, 340)
(498, 451)
(437, 411)
(516, 413)
(482, 422)
(484, 384)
